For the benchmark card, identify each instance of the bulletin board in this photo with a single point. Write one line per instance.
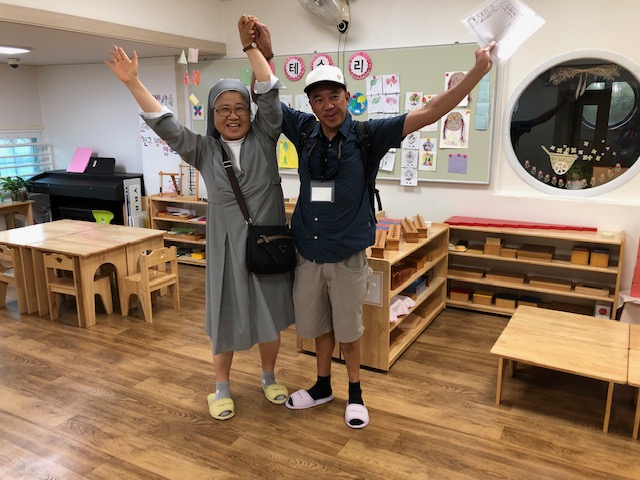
(419, 69)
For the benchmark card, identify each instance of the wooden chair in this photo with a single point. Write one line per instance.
(68, 284)
(158, 270)
(7, 276)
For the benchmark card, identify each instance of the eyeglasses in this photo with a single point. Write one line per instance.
(226, 111)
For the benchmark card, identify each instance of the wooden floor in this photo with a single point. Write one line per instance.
(127, 400)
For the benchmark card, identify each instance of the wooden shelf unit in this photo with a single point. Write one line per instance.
(159, 203)
(559, 268)
(383, 342)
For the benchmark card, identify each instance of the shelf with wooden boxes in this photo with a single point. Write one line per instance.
(384, 341)
(184, 220)
(559, 269)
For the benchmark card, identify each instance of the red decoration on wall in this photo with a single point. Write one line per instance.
(360, 65)
(294, 68)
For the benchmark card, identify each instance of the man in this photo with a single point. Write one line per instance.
(333, 222)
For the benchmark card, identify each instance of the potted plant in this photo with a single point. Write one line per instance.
(16, 186)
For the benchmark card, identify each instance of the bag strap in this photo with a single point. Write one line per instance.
(228, 166)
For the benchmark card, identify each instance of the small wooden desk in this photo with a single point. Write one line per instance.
(105, 244)
(567, 342)
(20, 239)
(10, 209)
(634, 371)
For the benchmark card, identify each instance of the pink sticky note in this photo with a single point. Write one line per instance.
(80, 160)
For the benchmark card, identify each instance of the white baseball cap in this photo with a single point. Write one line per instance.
(324, 73)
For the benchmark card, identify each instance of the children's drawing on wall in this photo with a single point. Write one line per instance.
(409, 177)
(412, 101)
(374, 85)
(454, 132)
(457, 163)
(433, 127)
(409, 159)
(428, 152)
(287, 154)
(375, 104)
(391, 84)
(302, 103)
(411, 141)
(451, 79)
(392, 103)
(388, 162)
(149, 140)
(357, 103)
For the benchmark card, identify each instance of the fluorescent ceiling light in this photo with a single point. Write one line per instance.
(12, 50)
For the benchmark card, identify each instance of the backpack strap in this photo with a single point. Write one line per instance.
(371, 168)
(305, 133)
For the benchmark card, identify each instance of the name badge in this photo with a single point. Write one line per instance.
(322, 191)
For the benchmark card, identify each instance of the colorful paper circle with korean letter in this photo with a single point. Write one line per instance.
(360, 65)
(294, 68)
(358, 103)
(321, 59)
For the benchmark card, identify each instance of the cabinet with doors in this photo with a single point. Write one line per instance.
(184, 219)
(417, 270)
(493, 269)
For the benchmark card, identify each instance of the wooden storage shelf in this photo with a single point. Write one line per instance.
(560, 267)
(159, 203)
(383, 341)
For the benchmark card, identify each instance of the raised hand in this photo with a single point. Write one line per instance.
(263, 39)
(246, 28)
(125, 68)
(483, 57)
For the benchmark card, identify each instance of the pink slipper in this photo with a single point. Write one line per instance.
(356, 415)
(301, 399)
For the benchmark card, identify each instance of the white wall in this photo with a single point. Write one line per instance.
(570, 25)
(19, 98)
(192, 18)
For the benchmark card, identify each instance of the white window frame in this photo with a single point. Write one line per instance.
(24, 154)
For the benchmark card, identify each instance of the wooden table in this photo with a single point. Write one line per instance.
(117, 245)
(567, 342)
(10, 209)
(634, 371)
(95, 244)
(20, 239)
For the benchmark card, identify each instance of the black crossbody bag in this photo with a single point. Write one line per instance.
(270, 249)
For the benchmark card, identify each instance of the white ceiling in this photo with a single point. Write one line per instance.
(50, 46)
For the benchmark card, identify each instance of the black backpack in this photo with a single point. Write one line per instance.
(370, 165)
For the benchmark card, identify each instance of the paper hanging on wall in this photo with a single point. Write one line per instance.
(183, 59)
(186, 79)
(195, 77)
(193, 55)
(409, 177)
(457, 163)
(287, 154)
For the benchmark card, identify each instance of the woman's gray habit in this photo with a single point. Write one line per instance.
(242, 308)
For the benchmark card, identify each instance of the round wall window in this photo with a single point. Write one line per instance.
(574, 128)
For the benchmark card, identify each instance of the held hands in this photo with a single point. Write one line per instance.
(263, 39)
(246, 28)
(125, 68)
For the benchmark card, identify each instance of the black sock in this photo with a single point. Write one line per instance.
(355, 393)
(322, 388)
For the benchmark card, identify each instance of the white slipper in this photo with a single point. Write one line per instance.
(355, 411)
(301, 399)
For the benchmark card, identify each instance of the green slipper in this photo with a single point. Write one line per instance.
(221, 409)
(276, 393)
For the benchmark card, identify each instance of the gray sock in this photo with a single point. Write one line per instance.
(268, 378)
(222, 390)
